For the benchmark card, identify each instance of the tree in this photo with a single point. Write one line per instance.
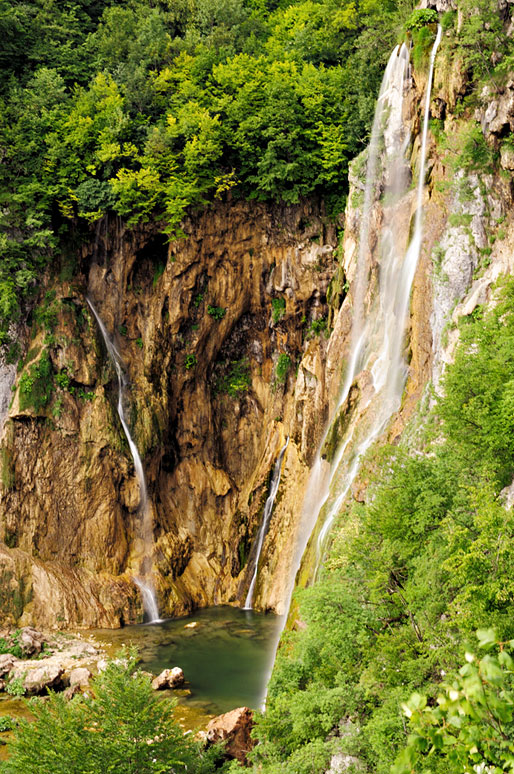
(472, 727)
(124, 729)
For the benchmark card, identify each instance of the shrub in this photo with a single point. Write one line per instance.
(190, 361)
(236, 380)
(7, 723)
(278, 306)
(125, 729)
(421, 18)
(473, 722)
(37, 384)
(281, 371)
(15, 686)
(217, 312)
(46, 313)
(12, 645)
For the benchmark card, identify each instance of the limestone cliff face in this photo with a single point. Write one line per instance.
(467, 243)
(222, 333)
(215, 330)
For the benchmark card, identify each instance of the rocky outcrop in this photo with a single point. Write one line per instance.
(212, 329)
(168, 678)
(233, 729)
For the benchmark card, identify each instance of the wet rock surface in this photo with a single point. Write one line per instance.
(69, 499)
(169, 678)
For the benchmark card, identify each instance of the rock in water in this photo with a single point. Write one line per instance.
(234, 729)
(169, 678)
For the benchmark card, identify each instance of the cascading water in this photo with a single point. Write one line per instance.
(380, 305)
(263, 529)
(147, 591)
(381, 338)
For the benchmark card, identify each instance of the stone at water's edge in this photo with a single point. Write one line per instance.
(37, 681)
(233, 728)
(169, 678)
(80, 677)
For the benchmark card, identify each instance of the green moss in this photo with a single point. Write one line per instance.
(282, 369)
(37, 384)
(7, 469)
(335, 434)
(278, 307)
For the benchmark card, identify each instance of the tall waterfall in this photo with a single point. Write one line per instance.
(145, 586)
(266, 516)
(380, 304)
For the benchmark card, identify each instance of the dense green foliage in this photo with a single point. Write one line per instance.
(142, 109)
(410, 576)
(12, 645)
(124, 729)
(473, 723)
(421, 17)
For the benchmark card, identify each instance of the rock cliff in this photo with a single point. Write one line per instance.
(212, 329)
(224, 337)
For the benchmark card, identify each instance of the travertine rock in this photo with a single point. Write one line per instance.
(234, 729)
(69, 504)
(169, 678)
(80, 676)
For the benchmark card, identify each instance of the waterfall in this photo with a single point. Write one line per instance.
(147, 591)
(263, 529)
(380, 305)
(381, 337)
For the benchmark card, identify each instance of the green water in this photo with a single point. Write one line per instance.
(226, 657)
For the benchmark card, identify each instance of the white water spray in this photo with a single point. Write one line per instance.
(377, 341)
(263, 529)
(147, 592)
(383, 331)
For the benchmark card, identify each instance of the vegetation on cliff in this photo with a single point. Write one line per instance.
(143, 109)
(411, 575)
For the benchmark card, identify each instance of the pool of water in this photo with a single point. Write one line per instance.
(225, 654)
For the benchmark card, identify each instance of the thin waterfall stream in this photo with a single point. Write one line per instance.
(144, 585)
(266, 516)
(380, 306)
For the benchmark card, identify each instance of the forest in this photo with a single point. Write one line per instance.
(144, 109)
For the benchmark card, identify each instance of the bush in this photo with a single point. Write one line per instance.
(278, 306)
(472, 725)
(37, 384)
(421, 18)
(125, 729)
(236, 380)
(7, 723)
(12, 645)
(281, 371)
(217, 312)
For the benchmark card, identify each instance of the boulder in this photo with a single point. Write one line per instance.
(169, 678)
(31, 641)
(80, 676)
(71, 691)
(7, 663)
(345, 764)
(234, 729)
(37, 681)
